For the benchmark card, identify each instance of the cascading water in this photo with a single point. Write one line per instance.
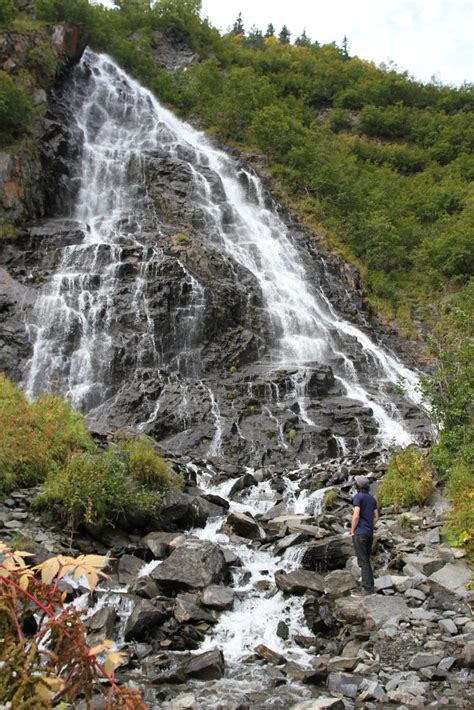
(75, 327)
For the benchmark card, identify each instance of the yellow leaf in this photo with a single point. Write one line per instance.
(49, 569)
(95, 560)
(24, 580)
(95, 650)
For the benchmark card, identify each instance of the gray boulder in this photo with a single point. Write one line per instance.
(299, 581)
(206, 666)
(217, 597)
(196, 564)
(144, 618)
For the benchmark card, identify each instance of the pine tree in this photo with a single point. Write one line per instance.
(254, 38)
(238, 27)
(284, 35)
(303, 40)
(345, 48)
(270, 31)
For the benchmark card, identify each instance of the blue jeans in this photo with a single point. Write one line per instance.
(363, 550)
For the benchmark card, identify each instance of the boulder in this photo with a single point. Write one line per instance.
(453, 578)
(245, 526)
(424, 564)
(372, 611)
(196, 564)
(128, 568)
(217, 597)
(268, 655)
(205, 666)
(423, 660)
(103, 622)
(159, 543)
(299, 581)
(339, 582)
(331, 553)
(345, 683)
(144, 618)
(186, 609)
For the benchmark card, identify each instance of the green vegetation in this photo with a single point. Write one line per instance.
(42, 63)
(36, 439)
(8, 12)
(8, 230)
(451, 390)
(46, 442)
(16, 110)
(330, 500)
(408, 480)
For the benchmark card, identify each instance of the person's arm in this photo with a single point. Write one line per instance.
(355, 519)
(376, 516)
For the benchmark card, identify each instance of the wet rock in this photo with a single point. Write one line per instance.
(299, 581)
(145, 587)
(206, 666)
(128, 568)
(283, 631)
(103, 622)
(159, 543)
(308, 676)
(321, 703)
(186, 609)
(217, 597)
(268, 655)
(328, 554)
(144, 618)
(197, 563)
(245, 526)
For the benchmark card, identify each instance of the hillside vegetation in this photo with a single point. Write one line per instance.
(377, 163)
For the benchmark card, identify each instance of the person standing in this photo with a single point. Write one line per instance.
(364, 518)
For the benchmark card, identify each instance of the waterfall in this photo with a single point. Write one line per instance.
(83, 344)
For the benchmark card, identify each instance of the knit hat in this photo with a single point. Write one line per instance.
(362, 482)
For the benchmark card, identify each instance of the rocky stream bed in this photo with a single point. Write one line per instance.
(242, 595)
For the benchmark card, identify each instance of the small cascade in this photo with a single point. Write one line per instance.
(215, 447)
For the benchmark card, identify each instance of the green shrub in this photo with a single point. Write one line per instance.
(340, 120)
(408, 480)
(8, 11)
(36, 438)
(459, 524)
(145, 466)
(8, 231)
(329, 500)
(94, 489)
(43, 63)
(16, 110)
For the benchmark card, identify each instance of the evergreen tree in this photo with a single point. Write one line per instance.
(345, 48)
(284, 35)
(238, 27)
(254, 38)
(303, 40)
(270, 31)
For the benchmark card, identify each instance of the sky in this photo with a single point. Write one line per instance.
(425, 37)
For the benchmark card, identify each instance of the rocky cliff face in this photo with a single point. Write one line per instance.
(146, 288)
(31, 170)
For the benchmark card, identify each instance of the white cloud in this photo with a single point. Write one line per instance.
(425, 37)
